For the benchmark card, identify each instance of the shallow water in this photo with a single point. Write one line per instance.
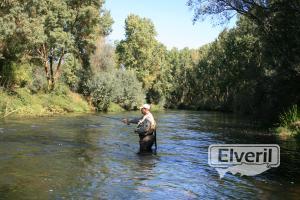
(94, 157)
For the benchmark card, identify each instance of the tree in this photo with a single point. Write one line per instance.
(103, 58)
(140, 50)
(256, 10)
(14, 26)
(275, 23)
(46, 30)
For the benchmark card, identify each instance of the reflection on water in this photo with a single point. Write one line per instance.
(91, 156)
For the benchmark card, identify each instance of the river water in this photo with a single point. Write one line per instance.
(95, 157)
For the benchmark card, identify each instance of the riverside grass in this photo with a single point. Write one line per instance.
(289, 122)
(21, 102)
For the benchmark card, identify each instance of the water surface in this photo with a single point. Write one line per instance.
(95, 157)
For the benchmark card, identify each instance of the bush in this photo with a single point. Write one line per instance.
(60, 89)
(39, 82)
(15, 74)
(290, 120)
(129, 94)
(102, 88)
(290, 116)
(113, 107)
(158, 107)
(22, 74)
(22, 102)
(121, 87)
(4, 99)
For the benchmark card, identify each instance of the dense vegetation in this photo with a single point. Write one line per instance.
(51, 51)
(251, 69)
(268, 66)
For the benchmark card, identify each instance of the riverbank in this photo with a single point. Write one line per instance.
(289, 122)
(21, 102)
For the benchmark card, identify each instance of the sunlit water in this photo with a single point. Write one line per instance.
(95, 157)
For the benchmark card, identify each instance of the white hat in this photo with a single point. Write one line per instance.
(146, 106)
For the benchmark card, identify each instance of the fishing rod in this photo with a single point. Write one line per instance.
(114, 118)
(117, 119)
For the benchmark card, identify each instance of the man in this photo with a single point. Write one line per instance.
(146, 129)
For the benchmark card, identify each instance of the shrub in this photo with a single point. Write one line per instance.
(290, 120)
(15, 74)
(39, 82)
(129, 92)
(22, 74)
(102, 88)
(4, 99)
(290, 116)
(121, 87)
(22, 102)
(60, 89)
(113, 107)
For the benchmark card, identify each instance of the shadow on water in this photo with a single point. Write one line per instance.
(90, 156)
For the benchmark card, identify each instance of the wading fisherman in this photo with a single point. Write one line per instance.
(146, 129)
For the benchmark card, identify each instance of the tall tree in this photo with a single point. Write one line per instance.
(276, 23)
(140, 49)
(47, 30)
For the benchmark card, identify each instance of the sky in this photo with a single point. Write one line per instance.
(172, 20)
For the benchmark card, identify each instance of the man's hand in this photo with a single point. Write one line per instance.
(126, 121)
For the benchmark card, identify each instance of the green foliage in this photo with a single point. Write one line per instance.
(22, 74)
(72, 72)
(140, 50)
(157, 107)
(103, 59)
(106, 22)
(269, 44)
(101, 88)
(129, 92)
(227, 74)
(120, 87)
(60, 90)
(39, 82)
(22, 102)
(113, 107)
(15, 73)
(175, 84)
(250, 69)
(290, 120)
(44, 31)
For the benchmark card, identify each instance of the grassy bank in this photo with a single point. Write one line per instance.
(22, 102)
(289, 122)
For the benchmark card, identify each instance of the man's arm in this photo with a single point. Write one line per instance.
(132, 121)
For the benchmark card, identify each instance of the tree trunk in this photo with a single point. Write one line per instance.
(44, 55)
(52, 83)
(46, 67)
(57, 72)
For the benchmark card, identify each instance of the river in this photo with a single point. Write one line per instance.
(93, 156)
